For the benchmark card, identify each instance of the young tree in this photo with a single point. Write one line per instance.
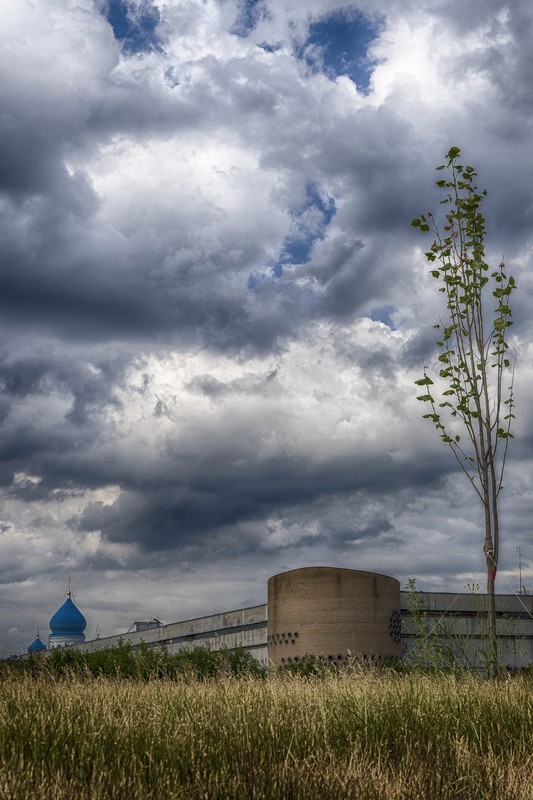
(471, 408)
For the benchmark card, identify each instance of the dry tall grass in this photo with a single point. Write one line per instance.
(360, 736)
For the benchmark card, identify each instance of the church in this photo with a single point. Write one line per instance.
(67, 627)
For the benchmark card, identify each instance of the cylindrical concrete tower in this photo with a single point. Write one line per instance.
(333, 614)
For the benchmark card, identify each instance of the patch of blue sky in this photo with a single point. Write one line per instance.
(269, 48)
(134, 25)
(309, 221)
(338, 44)
(249, 14)
(383, 314)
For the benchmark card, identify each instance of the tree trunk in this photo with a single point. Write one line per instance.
(492, 663)
(491, 528)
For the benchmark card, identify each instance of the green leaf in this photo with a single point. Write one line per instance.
(425, 398)
(416, 223)
(425, 381)
(448, 332)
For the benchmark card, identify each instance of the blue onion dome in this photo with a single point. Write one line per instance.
(68, 620)
(36, 646)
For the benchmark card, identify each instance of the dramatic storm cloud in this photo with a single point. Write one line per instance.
(212, 304)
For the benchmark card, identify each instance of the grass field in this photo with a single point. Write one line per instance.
(359, 736)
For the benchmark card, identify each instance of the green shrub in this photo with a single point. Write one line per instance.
(146, 663)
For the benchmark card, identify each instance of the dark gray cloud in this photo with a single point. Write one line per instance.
(167, 513)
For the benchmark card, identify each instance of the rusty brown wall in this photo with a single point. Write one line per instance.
(333, 613)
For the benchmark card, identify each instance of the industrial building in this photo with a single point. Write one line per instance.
(334, 614)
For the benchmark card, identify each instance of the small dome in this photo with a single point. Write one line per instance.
(68, 620)
(36, 646)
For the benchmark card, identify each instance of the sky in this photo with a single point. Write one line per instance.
(213, 306)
